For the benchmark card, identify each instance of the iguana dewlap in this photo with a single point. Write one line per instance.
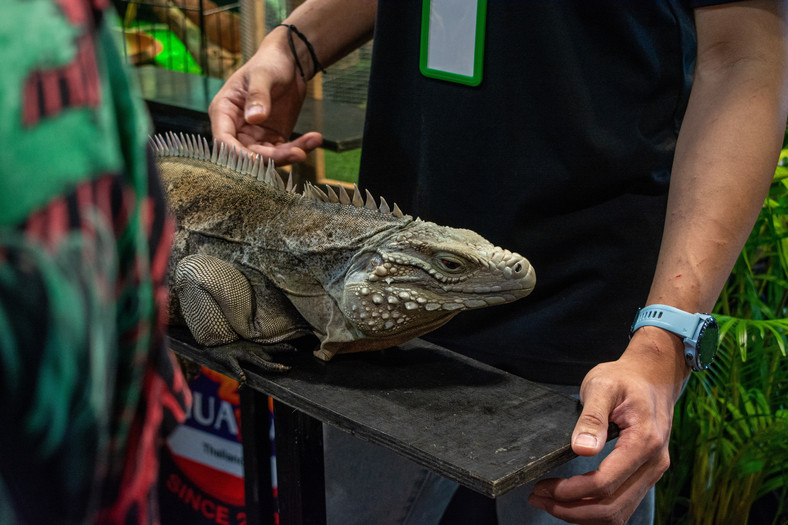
(254, 259)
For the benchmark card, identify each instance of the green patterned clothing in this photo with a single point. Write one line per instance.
(87, 386)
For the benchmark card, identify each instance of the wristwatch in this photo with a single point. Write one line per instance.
(700, 332)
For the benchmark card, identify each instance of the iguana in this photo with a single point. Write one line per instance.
(254, 259)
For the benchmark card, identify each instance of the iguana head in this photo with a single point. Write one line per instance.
(424, 275)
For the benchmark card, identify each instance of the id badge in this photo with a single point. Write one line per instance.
(452, 40)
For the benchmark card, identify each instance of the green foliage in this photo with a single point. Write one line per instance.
(729, 444)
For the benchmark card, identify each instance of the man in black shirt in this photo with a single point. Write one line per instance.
(624, 148)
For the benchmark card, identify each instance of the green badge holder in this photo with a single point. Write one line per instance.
(452, 40)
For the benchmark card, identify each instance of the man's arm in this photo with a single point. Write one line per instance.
(258, 106)
(725, 158)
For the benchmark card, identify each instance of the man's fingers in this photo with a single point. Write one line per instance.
(635, 459)
(281, 154)
(611, 503)
(227, 121)
(590, 433)
(288, 152)
(616, 469)
(258, 141)
(308, 141)
(614, 510)
(258, 99)
(255, 112)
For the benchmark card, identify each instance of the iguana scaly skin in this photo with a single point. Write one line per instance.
(254, 259)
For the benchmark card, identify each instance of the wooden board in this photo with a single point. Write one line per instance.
(484, 428)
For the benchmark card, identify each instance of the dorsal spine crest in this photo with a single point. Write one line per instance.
(253, 165)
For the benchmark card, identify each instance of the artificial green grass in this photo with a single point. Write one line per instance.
(343, 166)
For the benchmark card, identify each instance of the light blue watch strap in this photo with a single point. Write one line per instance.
(671, 319)
(700, 332)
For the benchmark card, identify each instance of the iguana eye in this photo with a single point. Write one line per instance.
(449, 263)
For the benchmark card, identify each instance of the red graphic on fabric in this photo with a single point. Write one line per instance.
(130, 481)
(160, 257)
(47, 92)
(140, 470)
(78, 11)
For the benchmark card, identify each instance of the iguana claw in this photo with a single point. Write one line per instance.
(253, 354)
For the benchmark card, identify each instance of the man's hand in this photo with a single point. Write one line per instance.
(258, 106)
(725, 156)
(637, 393)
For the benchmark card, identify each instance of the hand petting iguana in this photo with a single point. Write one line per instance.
(254, 259)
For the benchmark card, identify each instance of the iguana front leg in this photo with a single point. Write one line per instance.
(216, 299)
(220, 306)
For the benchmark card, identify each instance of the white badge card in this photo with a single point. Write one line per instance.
(452, 40)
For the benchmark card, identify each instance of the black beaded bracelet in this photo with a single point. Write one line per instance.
(315, 63)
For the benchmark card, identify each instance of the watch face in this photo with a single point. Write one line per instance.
(708, 340)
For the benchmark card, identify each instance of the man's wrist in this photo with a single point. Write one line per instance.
(275, 48)
(302, 51)
(660, 351)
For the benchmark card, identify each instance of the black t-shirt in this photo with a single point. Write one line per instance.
(562, 153)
